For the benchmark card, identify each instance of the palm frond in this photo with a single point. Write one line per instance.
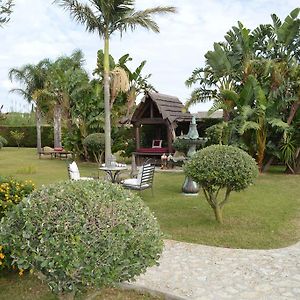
(143, 18)
(83, 14)
(278, 123)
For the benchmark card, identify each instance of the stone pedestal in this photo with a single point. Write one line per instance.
(190, 187)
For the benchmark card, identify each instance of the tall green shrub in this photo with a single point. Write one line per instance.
(221, 167)
(82, 233)
(95, 144)
(29, 135)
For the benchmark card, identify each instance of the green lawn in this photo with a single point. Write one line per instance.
(266, 215)
(28, 287)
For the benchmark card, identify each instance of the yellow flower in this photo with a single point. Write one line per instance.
(2, 255)
(0, 262)
(21, 271)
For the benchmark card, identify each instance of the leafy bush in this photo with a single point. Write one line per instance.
(18, 136)
(218, 133)
(181, 145)
(82, 233)
(3, 141)
(12, 191)
(221, 167)
(95, 144)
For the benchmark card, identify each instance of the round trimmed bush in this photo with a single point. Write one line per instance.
(221, 167)
(95, 143)
(82, 233)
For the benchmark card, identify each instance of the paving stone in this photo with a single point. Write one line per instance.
(198, 272)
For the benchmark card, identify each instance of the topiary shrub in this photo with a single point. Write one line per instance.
(221, 167)
(82, 233)
(95, 144)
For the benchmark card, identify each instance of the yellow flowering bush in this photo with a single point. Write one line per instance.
(12, 191)
(5, 259)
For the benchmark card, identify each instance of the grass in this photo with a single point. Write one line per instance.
(28, 287)
(266, 215)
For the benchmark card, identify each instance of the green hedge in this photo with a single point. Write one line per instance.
(29, 139)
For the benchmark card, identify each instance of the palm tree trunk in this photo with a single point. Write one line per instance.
(38, 119)
(261, 143)
(57, 125)
(293, 110)
(107, 128)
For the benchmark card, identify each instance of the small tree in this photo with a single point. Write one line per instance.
(3, 141)
(95, 143)
(18, 136)
(220, 167)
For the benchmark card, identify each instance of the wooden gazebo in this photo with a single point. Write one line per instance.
(158, 117)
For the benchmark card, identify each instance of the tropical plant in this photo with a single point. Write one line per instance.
(81, 234)
(5, 11)
(106, 18)
(254, 77)
(32, 78)
(64, 77)
(219, 168)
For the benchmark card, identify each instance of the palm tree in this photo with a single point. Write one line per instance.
(33, 78)
(64, 77)
(5, 11)
(105, 18)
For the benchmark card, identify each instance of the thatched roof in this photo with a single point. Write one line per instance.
(170, 107)
(204, 115)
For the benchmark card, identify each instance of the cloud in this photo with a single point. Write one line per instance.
(39, 29)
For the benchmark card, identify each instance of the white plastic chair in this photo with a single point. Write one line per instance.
(143, 181)
(74, 172)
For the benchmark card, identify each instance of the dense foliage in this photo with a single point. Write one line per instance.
(82, 233)
(29, 135)
(221, 167)
(12, 191)
(95, 144)
(181, 145)
(253, 76)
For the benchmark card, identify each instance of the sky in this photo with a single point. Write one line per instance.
(40, 29)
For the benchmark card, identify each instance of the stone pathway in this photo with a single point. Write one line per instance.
(191, 271)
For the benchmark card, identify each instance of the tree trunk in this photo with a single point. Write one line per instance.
(267, 166)
(261, 143)
(38, 119)
(218, 214)
(294, 108)
(107, 127)
(57, 125)
(297, 169)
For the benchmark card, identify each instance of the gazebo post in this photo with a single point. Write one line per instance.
(137, 136)
(170, 139)
(137, 140)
